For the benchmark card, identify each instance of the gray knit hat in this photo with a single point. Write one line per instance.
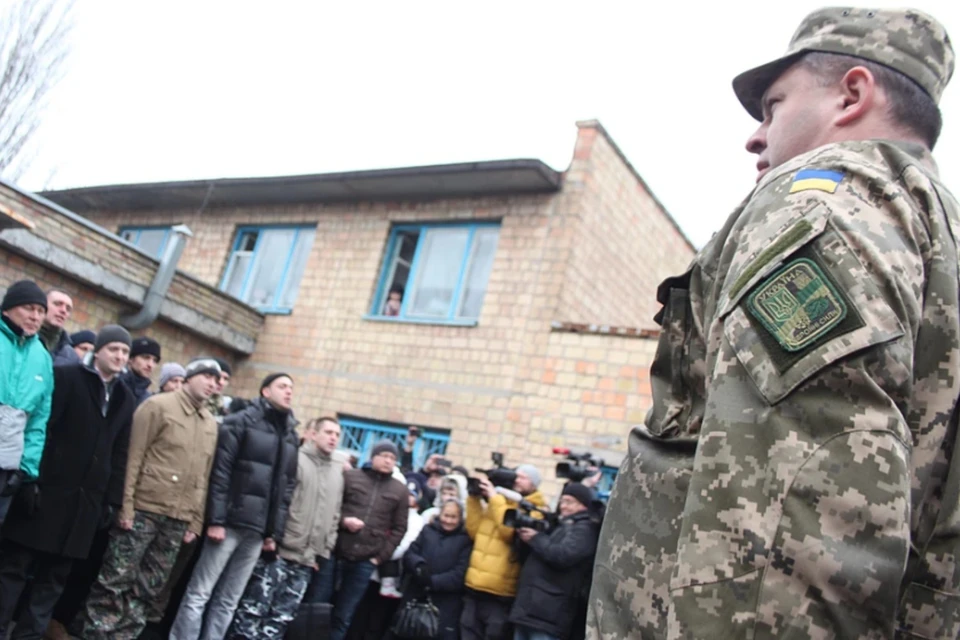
(171, 370)
(111, 333)
(531, 472)
(385, 446)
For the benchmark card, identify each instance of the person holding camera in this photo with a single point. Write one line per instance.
(553, 581)
(494, 563)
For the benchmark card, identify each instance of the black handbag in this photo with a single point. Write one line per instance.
(312, 622)
(417, 619)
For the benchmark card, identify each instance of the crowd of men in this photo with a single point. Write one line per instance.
(186, 514)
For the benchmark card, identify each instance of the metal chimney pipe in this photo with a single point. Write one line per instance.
(161, 281)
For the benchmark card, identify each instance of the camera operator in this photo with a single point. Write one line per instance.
(556, 575)
(494, 565)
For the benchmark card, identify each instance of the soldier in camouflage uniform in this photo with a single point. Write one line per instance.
(795, 477)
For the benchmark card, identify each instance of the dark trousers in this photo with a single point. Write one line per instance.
(49, 577)
(373, 616)
(82, 576)
(485, 617)
(354, 579)
(323, 583)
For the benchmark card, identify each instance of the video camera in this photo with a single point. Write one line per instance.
(514, 518)
(578, 466)
(499, 476)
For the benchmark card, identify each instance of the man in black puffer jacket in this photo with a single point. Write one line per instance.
(553, 578)
(251, 484)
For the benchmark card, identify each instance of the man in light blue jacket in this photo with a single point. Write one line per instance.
(26, 388)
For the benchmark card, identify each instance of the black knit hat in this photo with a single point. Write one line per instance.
(579, 492)
(224, 366)
(269, 380)
(81, 337)
(21, 293)
(111, 333)
(145, 346)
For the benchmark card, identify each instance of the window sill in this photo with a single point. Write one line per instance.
(427, 321)
(274, 312)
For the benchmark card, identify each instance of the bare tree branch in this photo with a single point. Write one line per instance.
(34, 44)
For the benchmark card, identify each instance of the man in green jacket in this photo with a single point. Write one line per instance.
(26, 387)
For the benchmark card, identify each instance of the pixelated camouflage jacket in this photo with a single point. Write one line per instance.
(795, 477)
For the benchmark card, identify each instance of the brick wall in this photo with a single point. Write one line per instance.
(125, 263)
(92, 310)
(622, 244)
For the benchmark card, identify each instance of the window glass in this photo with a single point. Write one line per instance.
(298, 264)
(267, 265)
(438, 272)
(478, 272)
(153, 241)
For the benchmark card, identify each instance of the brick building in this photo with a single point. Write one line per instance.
(528, 294)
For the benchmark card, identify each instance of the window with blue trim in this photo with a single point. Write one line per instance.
(359, 436)
(152, 240)
(266, 266)
(437, 272)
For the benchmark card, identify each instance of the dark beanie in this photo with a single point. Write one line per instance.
(201, 365)
(224, 366)
(580, 492)
(81, 337)
(21, 293)
(271, 378)
(111, 333)
(385, 446)
(145, 346)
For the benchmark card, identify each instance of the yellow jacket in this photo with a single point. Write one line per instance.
(492, 568)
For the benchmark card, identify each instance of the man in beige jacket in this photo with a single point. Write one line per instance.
(172, 442)
(278, 583)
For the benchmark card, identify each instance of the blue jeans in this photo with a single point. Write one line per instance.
(323, 583)
(355, 577)
(526, 633)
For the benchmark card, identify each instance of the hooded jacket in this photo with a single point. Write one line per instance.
(314, 516)
(493, 567)
(26, 391)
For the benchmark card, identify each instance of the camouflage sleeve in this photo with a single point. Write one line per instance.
(829, 315)
(800, 493)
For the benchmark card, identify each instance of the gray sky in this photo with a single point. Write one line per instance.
(206, 89)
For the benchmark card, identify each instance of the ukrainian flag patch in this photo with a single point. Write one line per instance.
(819, 179)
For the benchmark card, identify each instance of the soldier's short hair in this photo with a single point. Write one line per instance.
(910, 105)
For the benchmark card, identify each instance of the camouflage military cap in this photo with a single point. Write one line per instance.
(906, 40)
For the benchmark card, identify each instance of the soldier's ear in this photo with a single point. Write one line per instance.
(857, 96)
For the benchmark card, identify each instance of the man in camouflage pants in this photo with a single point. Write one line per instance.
(277, 585)
(795, 476)
(172, 442)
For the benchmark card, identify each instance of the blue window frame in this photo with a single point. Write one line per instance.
(359, 436)
(266, 266)
(152, 240)
(436, 273)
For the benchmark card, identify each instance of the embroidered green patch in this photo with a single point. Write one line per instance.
(798, 305)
